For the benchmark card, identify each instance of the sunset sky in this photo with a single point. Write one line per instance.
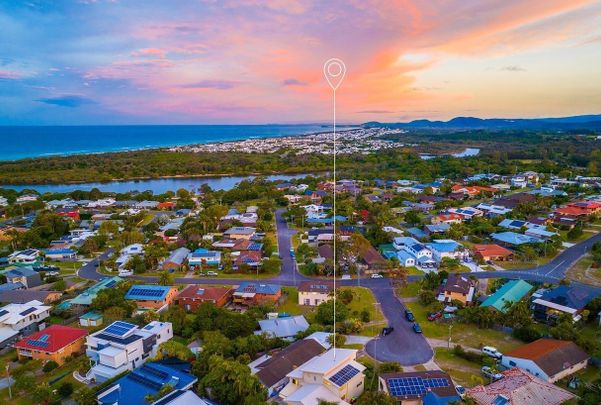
(234, 62)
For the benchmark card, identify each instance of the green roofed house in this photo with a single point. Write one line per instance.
(86, 297)
(512, 291)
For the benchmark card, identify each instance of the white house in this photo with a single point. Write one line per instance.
(21, 319)
(420, 253)
(27, 256)
(123, 346)
(313, 293)
(333, 376)
(548, 359)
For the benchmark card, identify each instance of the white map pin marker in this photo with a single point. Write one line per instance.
(334, 71)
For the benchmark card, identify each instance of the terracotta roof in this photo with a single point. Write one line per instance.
(552, 356)
(518, 387)
(570, 211)
(316, 286)
(204, 293)
(492, 250)
(277, 367)
(51, 339)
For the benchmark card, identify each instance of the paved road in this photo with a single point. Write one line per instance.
(402, 345)
(89, 270)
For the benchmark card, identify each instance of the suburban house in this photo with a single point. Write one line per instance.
(332, 376)
(27, 256)
(176, 259)
(548, 359)
(513, 239)
(91, 319)
(272, 370)
(372, 260)
(447, 219)
(152, 296)
(56, 343)
(122, 346)
(21, 319)
(24, 275)
(518, 387)
(313, 293)
(458, 288)
(412, 388)
(23, 296)
(250, 258)
(191, 297)
(60, 255)
(448, 248)
(240, 232)
(509, 293)
(85, 298)
(548, 305)
(492, 252)
(149, 380)
(286, 327)
(466, 212)
(413, 253)
(250, 293)
(204, 257)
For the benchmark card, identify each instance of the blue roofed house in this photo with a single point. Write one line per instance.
(442, 248)
(513, 238)
(176, 259)
(421, 254)
(509, 293)
(60, 255)
(148, 380)
(286, 327)
(549, 304)
(24, 275)
(204, 257)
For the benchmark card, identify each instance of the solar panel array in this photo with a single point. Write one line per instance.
(414, 385)
(119, 329)
(145, 381)
(344, 375)
(111, 283)
(41, 342)
(3, 312)
(147, 292)
(28, 311)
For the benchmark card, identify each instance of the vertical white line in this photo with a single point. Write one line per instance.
(334, 223)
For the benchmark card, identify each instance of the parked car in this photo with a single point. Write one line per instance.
(292, 253)
(387, 331)
(492, 352)
(212, 273)
(417, 328)
(434, 316)
(409, 315)
(460, 390)
(489, 373)
(377, 275)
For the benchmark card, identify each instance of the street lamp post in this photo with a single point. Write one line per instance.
(449, 342)
(10, 392)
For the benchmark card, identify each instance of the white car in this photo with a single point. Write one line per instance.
(212, 273)
(376, 275)
(492, 352)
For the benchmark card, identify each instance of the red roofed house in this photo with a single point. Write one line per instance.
(56, 343)
(492, 252)
(570, 212)
(167, 205)
(193, 296)
(518, 387)
(447, 219)
(472, 191)
(548, 359)
(590, 207)
(72, 213)
(251, 258)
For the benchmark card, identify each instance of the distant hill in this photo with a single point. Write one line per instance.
(579, 122)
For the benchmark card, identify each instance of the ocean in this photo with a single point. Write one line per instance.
(20, 142)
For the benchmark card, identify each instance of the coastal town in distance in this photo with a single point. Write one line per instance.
(427, 232)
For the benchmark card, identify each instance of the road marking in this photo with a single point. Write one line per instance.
(554, 268)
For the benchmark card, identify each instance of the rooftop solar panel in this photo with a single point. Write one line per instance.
(405, 386)
(3, 312)
(344, 375)
(28, 311)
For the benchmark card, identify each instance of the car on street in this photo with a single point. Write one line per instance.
(292, 253)
(492, 352)
(212, 273)
(434, 316)
(387, 331)
(409, 315)
(490, 373)
(377, 275)
(417, 328)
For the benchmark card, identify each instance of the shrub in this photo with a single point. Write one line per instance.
(365, 317)
(467, 355)
(65, 389)
(49, 366)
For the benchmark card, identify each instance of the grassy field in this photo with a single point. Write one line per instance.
(410, 290)
(462, 371)
(463, 334)
(583, 272)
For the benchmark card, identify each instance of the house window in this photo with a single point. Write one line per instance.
(512, 363)
(307, 301)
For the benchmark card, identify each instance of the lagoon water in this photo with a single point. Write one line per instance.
(39, 141)
(157, 186)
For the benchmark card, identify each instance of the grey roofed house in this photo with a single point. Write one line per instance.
(177, 257)
(284, 327)
(24, 296)
(272, 372)
(25, 275)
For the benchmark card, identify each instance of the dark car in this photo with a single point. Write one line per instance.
(387, 331)
(409, 315)
(417, 328)
(434, 316)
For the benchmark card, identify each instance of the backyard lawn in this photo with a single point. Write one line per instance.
(463, 372)
(410, 290)
(466, 335)
(584, 273)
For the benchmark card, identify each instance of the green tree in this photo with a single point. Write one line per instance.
(165, 278)
(325, 312)
(174, 349)
(376, 397)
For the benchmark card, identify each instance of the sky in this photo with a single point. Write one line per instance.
(87, 62)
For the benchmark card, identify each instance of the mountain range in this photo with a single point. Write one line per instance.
(579, 122)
